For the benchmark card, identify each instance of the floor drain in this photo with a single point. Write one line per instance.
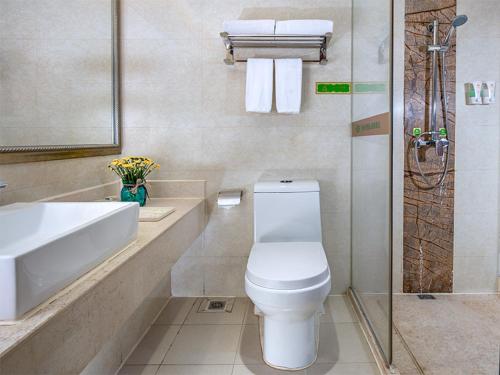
(213, 305)
(426, 296)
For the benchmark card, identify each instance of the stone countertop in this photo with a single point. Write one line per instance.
(14, 334)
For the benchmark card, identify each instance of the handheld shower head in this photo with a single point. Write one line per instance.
(457, 21)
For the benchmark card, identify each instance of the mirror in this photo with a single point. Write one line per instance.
(59, 85)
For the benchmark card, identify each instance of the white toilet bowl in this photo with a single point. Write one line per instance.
(288, 283)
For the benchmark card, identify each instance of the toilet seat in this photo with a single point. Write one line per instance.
(287, 265)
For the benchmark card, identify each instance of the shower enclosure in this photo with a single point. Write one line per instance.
(372, 167)
(425, 183)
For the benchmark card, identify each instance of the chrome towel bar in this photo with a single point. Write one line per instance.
(299, 42)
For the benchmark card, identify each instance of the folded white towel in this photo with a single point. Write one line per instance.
(259, 89)
(239, 27)
(304, 27)
(288, 85)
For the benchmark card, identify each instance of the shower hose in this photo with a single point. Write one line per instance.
(443, 175)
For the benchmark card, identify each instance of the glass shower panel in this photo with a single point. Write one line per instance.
(371, 164)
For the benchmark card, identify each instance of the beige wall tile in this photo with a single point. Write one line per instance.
(474, 274)
(187, 277)
(225, 276)
(477, 159)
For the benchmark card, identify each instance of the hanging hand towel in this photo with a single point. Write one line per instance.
(288, 85)
(304, 27)
(241, 27)
(259, 90)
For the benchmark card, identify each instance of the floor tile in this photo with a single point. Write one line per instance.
(138, 370)
(234, 317)
(467, 325)
(249, 348)
(195, 370)
(204, 344)
(154, 346)
(176, 311)
(343, 369)
(261, 370)
(338, 310)
(250, 317)
(343, 342)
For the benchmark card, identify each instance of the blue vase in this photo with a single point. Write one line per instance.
(139, 196)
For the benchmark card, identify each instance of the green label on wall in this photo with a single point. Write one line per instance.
(333, 87)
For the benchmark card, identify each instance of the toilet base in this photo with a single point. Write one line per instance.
(289, 345)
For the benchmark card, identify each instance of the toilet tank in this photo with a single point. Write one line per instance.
(287, 211)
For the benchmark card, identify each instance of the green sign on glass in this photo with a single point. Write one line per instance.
(370, 88)
(333, 87)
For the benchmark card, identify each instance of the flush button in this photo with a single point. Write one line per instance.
(286, 181)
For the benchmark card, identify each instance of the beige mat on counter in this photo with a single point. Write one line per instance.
(154, 213)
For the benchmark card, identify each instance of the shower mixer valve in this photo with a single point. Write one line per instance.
(438, 139)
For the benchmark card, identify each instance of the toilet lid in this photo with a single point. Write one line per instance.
(287, 265)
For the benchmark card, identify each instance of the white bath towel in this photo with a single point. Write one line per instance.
(288, 85)
(240, 27)
(304, 27)
(259, 89)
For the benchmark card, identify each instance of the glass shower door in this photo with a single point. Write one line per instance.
(371, 165)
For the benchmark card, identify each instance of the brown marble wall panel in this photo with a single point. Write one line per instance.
(428, 213)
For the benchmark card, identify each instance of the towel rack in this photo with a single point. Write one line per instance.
(311, 48)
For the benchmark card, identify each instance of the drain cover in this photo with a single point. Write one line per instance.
(212, 305)
(426, 296)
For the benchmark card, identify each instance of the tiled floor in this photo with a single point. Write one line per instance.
(185, 342)
(450, 335)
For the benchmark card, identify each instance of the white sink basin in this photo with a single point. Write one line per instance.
(46, 246)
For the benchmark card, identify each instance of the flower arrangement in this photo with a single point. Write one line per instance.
(133, 168)
(133, 171)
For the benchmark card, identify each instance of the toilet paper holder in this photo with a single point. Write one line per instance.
(229, 198)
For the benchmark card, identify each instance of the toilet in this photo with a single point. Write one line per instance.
(287, 276)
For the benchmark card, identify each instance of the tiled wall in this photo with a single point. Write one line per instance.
(477, 151)
(33, 181)
(184, 107)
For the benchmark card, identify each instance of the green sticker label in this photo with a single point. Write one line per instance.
(443, 132)
(333, 87)
(369, 88)
(417, 132)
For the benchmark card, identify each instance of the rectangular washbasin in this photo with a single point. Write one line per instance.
(46, 246)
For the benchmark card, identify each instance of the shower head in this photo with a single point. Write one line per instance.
(457, 21)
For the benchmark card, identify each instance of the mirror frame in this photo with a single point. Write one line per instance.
(25, 154)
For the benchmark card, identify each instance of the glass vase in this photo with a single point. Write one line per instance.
(128, 194)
